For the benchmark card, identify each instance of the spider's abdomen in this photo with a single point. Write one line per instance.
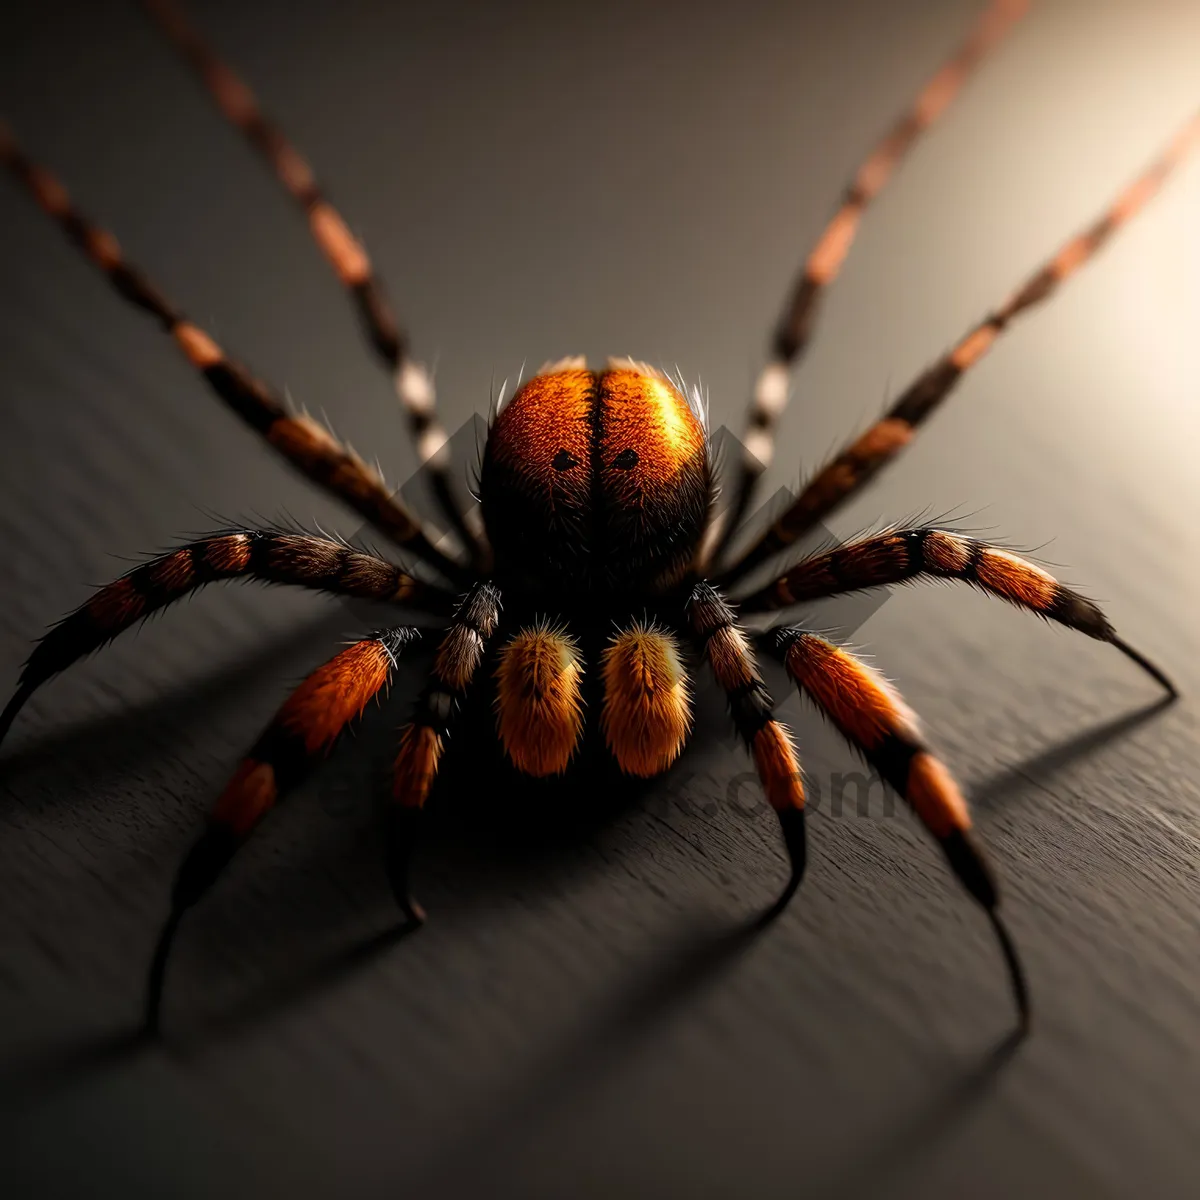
(595, 480)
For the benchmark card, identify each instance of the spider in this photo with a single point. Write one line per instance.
(601, 563)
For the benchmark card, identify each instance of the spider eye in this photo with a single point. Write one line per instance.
(564, 460)
(626, 460)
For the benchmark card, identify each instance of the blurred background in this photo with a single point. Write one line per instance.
(578, 1018)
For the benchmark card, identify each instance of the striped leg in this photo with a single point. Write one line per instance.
(423, 739)
(345, 253)
(907, 555)
(303, 733)
(309, 447)
(821, 268)
(715, 630)
(860, 461)
(252, 554)
(874, 719)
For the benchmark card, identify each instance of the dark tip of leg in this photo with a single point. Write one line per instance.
(158, 970)
(1155, 673)
(402, 825)
(970, 864)
(791, 822)
(779, 904)
(14, 706)
(204, 862)
(1016, 972)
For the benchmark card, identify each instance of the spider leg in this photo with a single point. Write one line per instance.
(302, 733)
(423, 739)
(794, 330)
(874, 719)
(254, 554)
(346, 255)
(909, 555)
(716, 632)
(846, 474)
(308, 446)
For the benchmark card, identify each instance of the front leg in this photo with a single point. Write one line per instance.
(302, 734)
(423, 739)
(873, 718)
(717, 634)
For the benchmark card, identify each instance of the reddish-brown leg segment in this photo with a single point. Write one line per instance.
(824, 262)
(849, 470)
(874, 719)
(729, 654)
(424, 738)
(906, 555)
(345, 253)
(302, 733)
(308, 446)
(262, 555)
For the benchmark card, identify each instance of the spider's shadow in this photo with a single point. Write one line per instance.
(490, 833)
(115, 743)
(949, 1103)
(1045, 764)
(694, 962)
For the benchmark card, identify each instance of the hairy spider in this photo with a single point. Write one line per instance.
(598, 514)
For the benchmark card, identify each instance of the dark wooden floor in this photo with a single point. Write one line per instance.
(581, 1017)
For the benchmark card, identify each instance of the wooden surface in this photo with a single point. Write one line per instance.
(581, 1016)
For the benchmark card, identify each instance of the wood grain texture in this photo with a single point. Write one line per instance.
(580, 1017)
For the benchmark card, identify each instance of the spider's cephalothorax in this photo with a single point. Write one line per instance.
(600, 542)
(595, 483)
